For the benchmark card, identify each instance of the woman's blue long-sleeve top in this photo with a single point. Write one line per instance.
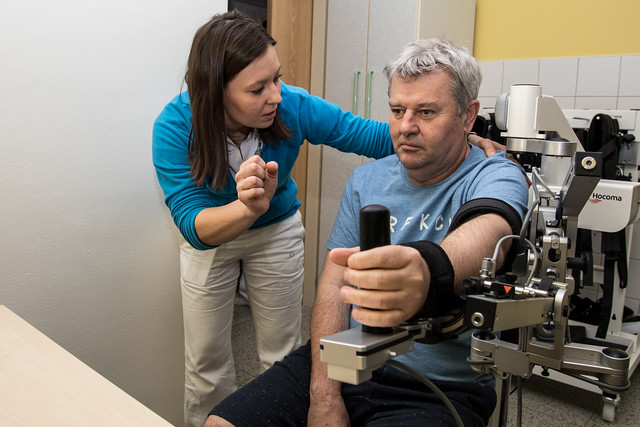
(308, 117)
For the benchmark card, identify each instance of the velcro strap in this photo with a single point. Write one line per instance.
(441, 298)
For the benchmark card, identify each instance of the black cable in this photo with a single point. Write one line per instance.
(432, 386)
(597, 383)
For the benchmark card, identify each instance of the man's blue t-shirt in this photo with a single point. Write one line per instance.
(425, 213)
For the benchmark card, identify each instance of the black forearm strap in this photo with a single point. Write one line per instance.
(441, 298)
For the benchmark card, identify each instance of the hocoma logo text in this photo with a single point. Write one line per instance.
(597, 197)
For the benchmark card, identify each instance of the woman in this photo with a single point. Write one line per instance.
(223, 154)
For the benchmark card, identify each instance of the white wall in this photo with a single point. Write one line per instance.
(594, 82)
(88, 251)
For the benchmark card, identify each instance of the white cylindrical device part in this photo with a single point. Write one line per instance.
(554, 170)
(523, 106)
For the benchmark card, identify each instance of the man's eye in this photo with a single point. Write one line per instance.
(426, 113)
(397, 111)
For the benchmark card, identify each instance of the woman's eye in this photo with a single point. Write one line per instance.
(276, 78)
(257, 91)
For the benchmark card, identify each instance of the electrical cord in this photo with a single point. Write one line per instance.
(432, 386)
(538, 177)
(528, 243)
(532, 206)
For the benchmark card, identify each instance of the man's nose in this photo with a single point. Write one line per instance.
(408, 125)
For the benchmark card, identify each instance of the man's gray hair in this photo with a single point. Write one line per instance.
(428, 55)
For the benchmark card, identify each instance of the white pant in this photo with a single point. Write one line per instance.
(272, 263)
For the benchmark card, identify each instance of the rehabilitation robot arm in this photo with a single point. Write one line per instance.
(534, 297)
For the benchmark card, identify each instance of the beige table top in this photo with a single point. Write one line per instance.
(43, 384)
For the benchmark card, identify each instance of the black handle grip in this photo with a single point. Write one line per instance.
(374, 232)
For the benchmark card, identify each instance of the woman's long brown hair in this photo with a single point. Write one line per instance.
(221, 48)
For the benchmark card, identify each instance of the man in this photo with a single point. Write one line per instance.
(441, 191)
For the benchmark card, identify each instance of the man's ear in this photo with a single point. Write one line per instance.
(471, 114)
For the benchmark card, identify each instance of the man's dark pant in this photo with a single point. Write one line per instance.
(280, 397)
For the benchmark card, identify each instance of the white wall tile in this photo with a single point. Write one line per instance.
(630, 76)
(598, 76)
(558, 76)
(491, 78)
(596, 102)
(487, 103)
(565, 102)
(629, 103)
(520, 71)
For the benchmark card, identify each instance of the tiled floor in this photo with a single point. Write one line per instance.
(550, 403)
(545, 402)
